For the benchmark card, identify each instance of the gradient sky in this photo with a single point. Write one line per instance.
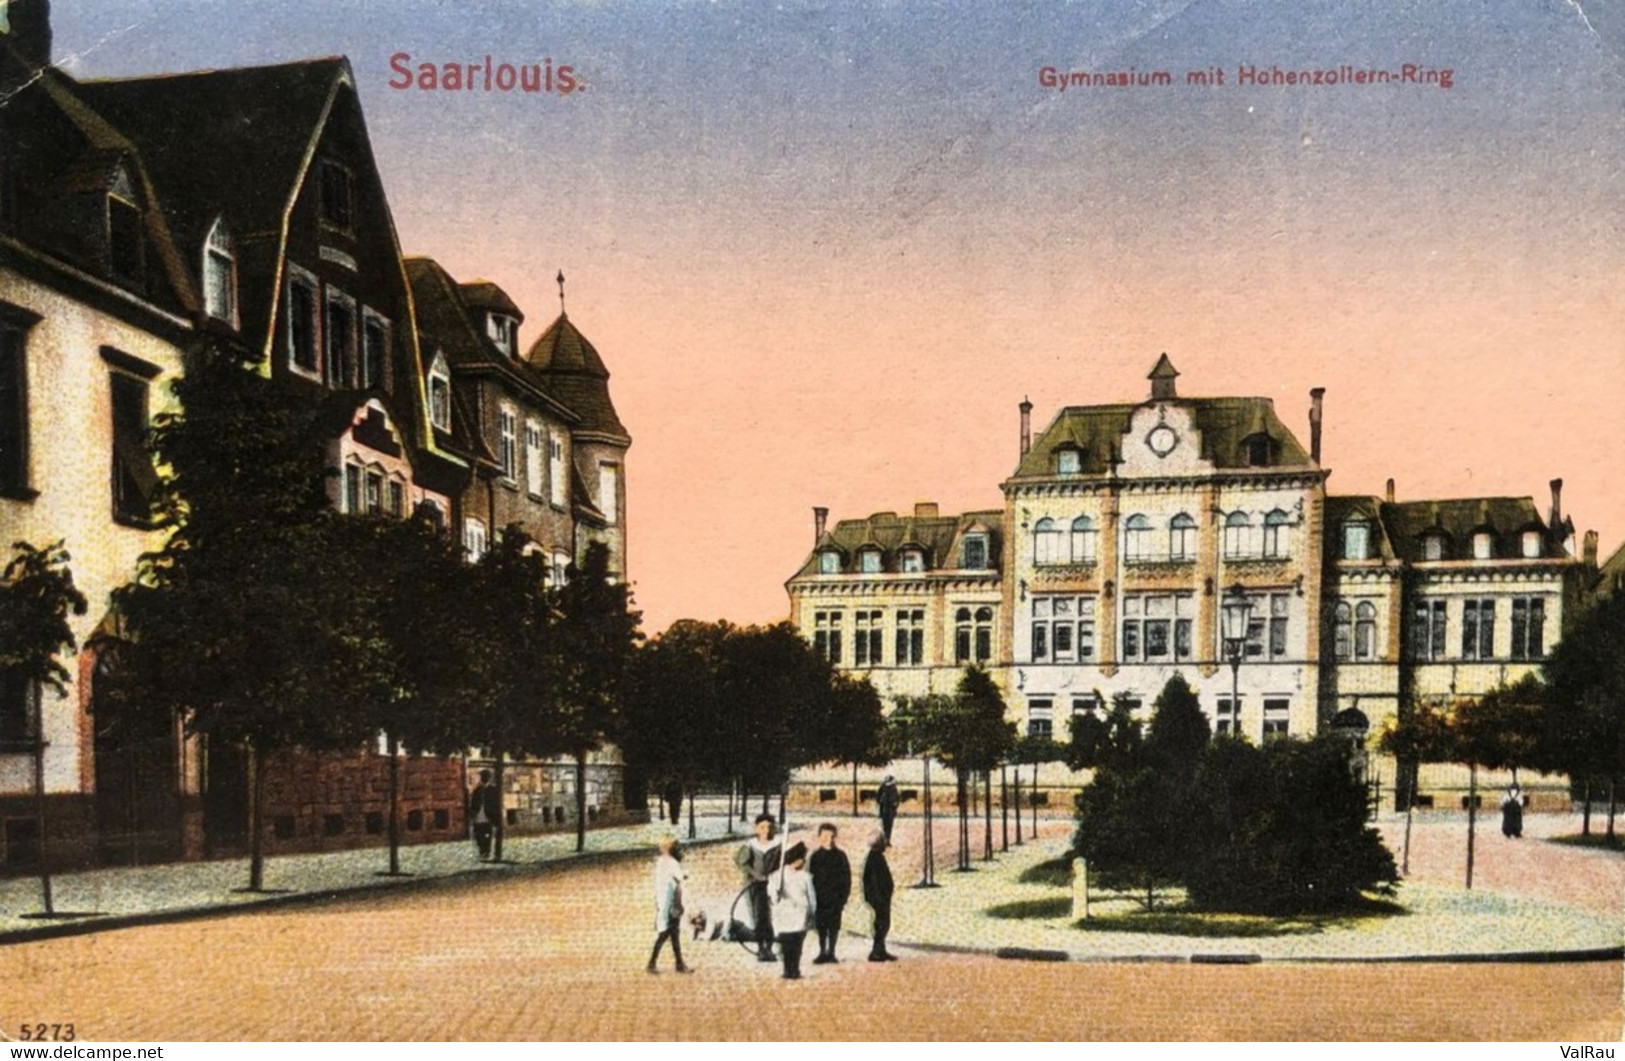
(827, 248)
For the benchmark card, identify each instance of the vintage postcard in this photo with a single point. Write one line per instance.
(826, 520)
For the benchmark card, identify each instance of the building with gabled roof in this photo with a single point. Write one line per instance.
(1130, 529)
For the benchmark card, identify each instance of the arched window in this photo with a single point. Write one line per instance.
(1136, 538)
(1238, 532)
(984, 634)
(1182, 537)
(1047, 542)
(1084, 540)
(1365, 631)
(440, 393)
(1275, 535)
(1344, 629)
(220, 274)
(962, 635)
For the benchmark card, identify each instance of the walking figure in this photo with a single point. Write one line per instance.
(484, 807)
(887, 799)
(669, 902)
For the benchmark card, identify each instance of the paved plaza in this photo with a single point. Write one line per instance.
(553, 948)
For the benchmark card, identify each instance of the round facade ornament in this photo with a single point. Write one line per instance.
(1162, 440)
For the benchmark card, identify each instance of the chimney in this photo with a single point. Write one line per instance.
(1554, 521)
(926, 510)
(820, 519)
(30, 30)
(1590, 553)
(1315, 397)
(1389, 492)
(1026, 426)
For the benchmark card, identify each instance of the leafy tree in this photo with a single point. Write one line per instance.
(220, 634)
(971, 736)
(674, 727)
(1504, 728)
(37, 595)
(1584, 731)
(508, 611)
(1114, 739)
(597, 635)
(1179, 730)
(1285, 830)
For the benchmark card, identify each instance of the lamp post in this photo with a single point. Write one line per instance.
(1236, 615)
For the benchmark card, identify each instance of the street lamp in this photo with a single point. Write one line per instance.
(1236, 615)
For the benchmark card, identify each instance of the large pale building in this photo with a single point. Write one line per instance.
(1130, 530)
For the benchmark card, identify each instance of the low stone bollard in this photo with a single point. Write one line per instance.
(1080, 889)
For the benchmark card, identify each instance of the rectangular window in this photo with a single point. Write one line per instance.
(474, 538)
(1275, 718)
(609, 485)
(1228, 712)
(352, 488)
(1528, 627)
(1478, 629)
(219, 283)
(396, 505)
(374, 350)
(910, 641)
(962, 644)
(1279, 604)
(866, 643)
(126, 250)
(303, 353)
(984, 642)
(975, 552)
(375, 493)
(16, 709)
(134, 479)
(13, 410)
(1040, 642)
(340, 335)
(508, 447)
(1040, 717)
(1356, 540)
(1155, 627)
(337, 207)
(827, 636)
(1427, 630)
(555, 468)
(533, 457)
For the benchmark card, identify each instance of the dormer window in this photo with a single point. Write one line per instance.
(220, 275)
(912, 562)
(1356, 540)
(975, 552)
(1433, 546)
(1068, 462)
(869, 561)
(502, 330)
(1531, 545)
(337, 205)
(829, 562)
(126, 251)
(1483, 545)
(440, 394)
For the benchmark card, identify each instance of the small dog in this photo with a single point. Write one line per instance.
(715, 927)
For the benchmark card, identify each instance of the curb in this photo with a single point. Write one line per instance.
(85, 924)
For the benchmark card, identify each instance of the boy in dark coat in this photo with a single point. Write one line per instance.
(832, 884)
(877, 889)
(484, 808)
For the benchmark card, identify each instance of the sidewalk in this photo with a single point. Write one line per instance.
(119, 897)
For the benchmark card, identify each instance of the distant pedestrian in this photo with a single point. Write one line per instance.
(794, 908)
(669, 877)
(877, 891)
(484, 808)
(887, 799)
(757, 859)
(832, 884)
(673, 796)
(1512, 813)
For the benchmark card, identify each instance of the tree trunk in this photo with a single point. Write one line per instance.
(1410, 803)
(987, 815)
(1035, 801)
(691, 832)
(1004, 809)
(783, 819)
(394, 806)
(500, 826)
(39, 802)
(854, 788)
(764, 801)
(256, 816)
(1016, 789)
(928, 877)
(1611, 805)
(1585, 811)
(1472, 817)
(962, 794)
(581, 799)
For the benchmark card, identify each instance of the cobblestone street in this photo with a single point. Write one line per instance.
(557, 953)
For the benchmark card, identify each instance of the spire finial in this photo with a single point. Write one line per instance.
(561, 292)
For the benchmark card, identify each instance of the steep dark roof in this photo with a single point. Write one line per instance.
(1359, 508)
(1459, 519)
(444, 316)
(939, 537)
(1224, 423)
(575, 372)
(245, 130)
(487, 296)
